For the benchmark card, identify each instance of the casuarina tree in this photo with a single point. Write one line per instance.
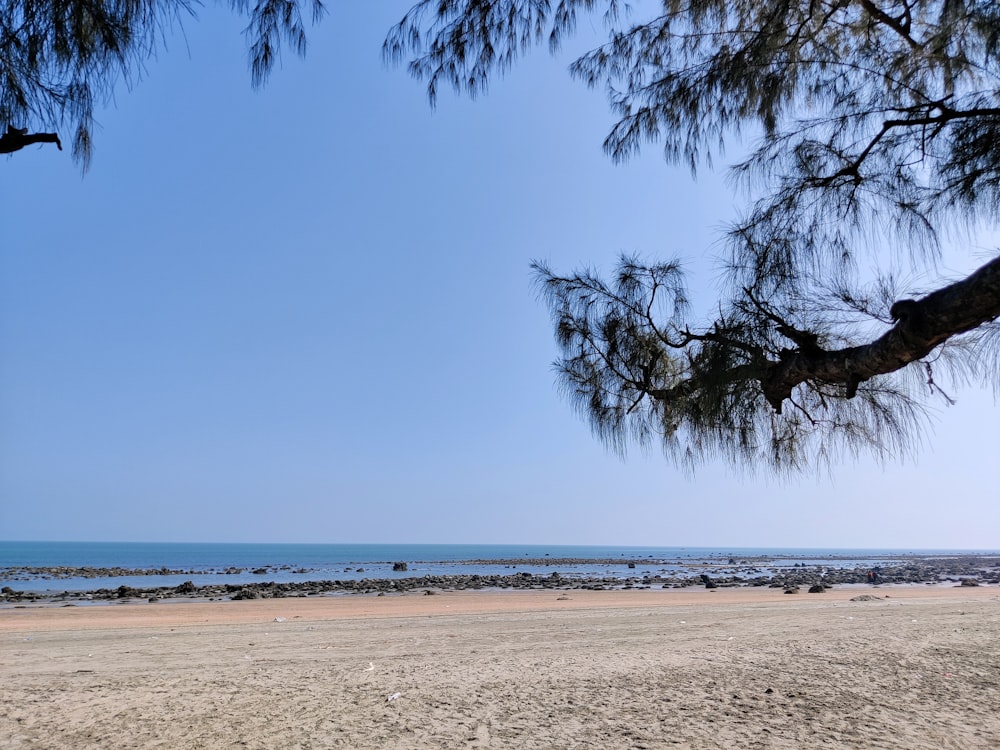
(60, 58)
(874, 127)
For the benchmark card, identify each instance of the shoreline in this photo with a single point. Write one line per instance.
(27, 573)
(967, 570)
(290, 611)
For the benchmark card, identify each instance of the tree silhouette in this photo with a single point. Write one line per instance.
(14, 139)
(877, 127)
(58, 58)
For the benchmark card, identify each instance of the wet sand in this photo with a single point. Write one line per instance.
(724, 668)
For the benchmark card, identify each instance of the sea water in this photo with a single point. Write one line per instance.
(206, 563)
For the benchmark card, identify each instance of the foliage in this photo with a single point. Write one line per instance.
(876, 124)
(60, 58)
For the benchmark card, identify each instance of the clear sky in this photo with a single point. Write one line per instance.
(305, 314)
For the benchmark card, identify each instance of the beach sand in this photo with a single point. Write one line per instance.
(732, 668)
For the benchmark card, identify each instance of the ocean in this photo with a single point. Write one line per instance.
(207, 564)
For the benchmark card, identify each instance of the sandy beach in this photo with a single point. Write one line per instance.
(732, 668)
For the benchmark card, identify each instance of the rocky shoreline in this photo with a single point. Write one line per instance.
(959, 570)
(62, 572)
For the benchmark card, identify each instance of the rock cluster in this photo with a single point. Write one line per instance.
(27, 572)
(961, 570)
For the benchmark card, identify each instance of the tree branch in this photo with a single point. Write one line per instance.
(900, 25)
(17, 138)
(922, 325)
(946, 115)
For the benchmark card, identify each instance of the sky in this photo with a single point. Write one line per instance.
(306, 314)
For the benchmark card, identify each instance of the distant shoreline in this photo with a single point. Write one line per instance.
(966, 570)
(62, 572)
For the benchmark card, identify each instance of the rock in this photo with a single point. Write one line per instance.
(709, 583)
(187, 587)
(397, 566)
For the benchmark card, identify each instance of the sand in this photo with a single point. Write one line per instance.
(744, 668)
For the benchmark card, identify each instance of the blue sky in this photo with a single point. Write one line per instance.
(306, 314)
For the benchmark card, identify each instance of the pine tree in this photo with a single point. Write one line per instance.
(58, 58)
(877, 123)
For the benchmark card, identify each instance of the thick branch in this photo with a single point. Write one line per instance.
(15, 139)
(922, 325)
